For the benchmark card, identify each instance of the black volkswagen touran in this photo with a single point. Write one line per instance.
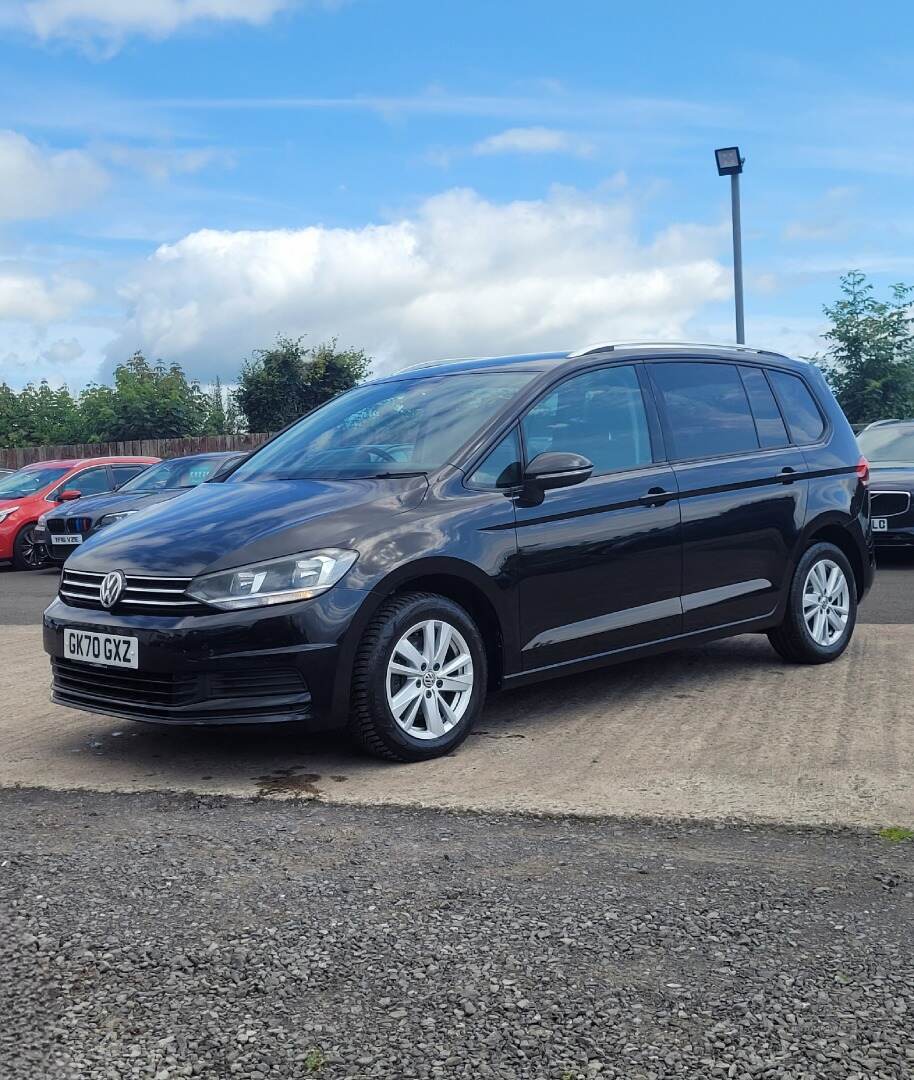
(384, 562)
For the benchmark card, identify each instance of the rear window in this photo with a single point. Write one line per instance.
(768, 421)
(799, 407)
(707, 409)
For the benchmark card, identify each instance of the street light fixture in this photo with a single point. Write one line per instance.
(730, 163)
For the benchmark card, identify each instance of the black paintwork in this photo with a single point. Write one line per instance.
(82, 516)
(615, 566)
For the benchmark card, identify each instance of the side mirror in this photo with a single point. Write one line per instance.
(558, 469)
(69, 495)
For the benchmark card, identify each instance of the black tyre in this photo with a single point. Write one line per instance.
(27, 555)
(419, 679)
(821, 608)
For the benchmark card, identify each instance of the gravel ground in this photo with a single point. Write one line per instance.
(160, 936)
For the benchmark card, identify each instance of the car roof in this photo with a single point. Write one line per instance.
(71, 463)
(543, 361)
(210, 455)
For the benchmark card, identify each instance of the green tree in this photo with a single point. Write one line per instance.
(11, 424)
(221, 412)
(280, 384)
(870, 359)
(148, 401)
(47, 416)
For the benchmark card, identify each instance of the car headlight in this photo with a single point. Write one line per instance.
(277, 581)
(109, 519)
(4, 514)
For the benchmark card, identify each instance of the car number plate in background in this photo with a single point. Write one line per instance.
(100, 648)
(66, 538)
(880, 525)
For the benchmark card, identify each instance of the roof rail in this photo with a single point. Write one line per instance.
(893, 420)
(609, 346)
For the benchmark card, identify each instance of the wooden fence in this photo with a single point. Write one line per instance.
(161, 448)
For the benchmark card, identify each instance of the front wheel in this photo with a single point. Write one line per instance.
(27, 554)
(821, 608)
(419, 680)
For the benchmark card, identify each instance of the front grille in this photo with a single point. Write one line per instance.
(114, 685)
(56, 525)
(889, 503)
(141, 595)
(274, 691)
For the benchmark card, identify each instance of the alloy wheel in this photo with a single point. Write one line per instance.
(826, 602)
(30, 552)
(429, 679)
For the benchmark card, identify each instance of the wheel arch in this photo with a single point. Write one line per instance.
(463, 583)
(834, 530)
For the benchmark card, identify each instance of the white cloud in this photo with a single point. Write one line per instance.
(27, 297)
(37, 183)
(460, 276)
(110, 21)
(534, 140)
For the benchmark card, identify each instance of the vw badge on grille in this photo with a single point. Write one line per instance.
(111, 588)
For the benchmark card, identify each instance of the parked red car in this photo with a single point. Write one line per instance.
(26, 494)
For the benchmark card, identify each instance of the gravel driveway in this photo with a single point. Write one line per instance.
(164, 935)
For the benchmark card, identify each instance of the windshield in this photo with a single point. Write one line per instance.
(389, 428)
(19, 485)
(168, 475)
(888, 444)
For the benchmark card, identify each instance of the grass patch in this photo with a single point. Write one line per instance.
(896, 835)
(314, 1061)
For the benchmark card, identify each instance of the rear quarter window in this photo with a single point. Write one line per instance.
(803, 416)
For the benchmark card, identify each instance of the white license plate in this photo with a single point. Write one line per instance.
(880, 524)
(66, 538)
(104, 649)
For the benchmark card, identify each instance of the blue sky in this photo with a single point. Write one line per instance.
(192, 177)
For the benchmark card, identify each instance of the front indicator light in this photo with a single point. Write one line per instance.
(276, 581)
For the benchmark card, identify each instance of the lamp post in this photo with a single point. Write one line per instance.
(730, 163)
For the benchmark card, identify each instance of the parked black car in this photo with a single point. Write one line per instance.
(889, 448)
(473, 524)
(64, 528)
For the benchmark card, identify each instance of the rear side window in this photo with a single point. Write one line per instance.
(123, 473)
(706, 408)
(502, 467)
(768, 421)
(800, 409)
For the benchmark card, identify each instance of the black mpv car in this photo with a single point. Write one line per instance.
(474, 524)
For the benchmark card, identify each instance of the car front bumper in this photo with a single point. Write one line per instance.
(242, 667)
(900, 537)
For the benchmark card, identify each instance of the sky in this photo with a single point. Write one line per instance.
(468, 177)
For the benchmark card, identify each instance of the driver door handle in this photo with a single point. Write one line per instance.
(787, 475)
(657, 496)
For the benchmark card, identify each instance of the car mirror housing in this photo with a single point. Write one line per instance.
(69, 495)
(558, 469)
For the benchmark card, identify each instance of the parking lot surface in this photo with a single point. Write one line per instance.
(726, 731)
(164, 936)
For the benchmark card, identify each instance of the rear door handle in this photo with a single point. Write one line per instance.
(787, 475)
(657, 496)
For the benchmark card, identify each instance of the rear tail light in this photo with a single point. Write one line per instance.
(863, 471)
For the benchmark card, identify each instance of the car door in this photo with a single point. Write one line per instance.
(598, 564)
(742, 488)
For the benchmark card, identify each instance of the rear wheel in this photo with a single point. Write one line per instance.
(419, 680)
(821, 608)
(27, 554)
